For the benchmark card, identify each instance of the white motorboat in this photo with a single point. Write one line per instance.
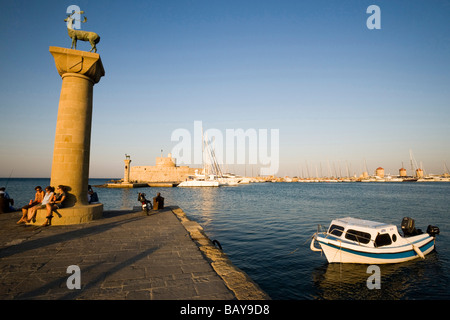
(352, 240)
(199, 183)
(200, 180)
(228, 179)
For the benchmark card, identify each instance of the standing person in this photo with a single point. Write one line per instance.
(49, 192)
(55, 204)
(39, 196)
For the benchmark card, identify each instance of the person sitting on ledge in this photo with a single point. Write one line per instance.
(158, 202)
(49, 191)
(6, 202)
(39, 196)
(92, 196)
(55, 204)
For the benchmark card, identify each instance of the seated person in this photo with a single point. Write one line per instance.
(55, 204)
(49, 192)
(92, 196)
(7, 202)
(158, 202)
(4, 204)
(39, 196)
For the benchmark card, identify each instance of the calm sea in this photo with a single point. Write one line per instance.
(265, 230)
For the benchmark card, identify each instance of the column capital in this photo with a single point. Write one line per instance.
(83, 63)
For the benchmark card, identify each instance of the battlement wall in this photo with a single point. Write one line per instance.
(160, 173)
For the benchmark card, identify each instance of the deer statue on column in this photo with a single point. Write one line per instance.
(75, 35)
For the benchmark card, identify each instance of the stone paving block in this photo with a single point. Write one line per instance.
(210, 287)
(178, 292)
(138, 295)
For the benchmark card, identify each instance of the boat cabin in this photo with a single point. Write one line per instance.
(364, 232)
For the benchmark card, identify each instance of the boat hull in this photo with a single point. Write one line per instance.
(337, 251)
(194, 183)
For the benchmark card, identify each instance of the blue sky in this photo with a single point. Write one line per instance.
(338, 92)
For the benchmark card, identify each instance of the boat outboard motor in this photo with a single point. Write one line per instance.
(408, 227)
(433, 230)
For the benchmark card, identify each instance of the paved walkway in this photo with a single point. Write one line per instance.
(123, 256)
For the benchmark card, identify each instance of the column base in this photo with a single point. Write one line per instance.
(71, 215)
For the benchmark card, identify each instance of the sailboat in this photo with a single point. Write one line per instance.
(411, 178)
(208, 177)
(229, 179)
(200, 180)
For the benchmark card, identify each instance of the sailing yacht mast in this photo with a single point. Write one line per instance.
(445, 168)
(411, 157)
(203, 154)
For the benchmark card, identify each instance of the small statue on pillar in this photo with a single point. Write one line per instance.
(75, 35)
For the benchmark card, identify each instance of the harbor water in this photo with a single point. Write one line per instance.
(266, 228)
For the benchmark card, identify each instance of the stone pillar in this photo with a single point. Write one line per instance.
(126, 175)
(79, 71)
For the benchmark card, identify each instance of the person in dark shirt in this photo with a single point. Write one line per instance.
(6, 203)
(56, 203)
(158, 202)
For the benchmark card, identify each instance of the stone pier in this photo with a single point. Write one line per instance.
(163, 256)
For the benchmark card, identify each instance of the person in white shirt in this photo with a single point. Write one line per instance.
(49, 192)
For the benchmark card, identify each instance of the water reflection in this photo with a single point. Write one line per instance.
(128, 195)
(407, 280)
(204, 202)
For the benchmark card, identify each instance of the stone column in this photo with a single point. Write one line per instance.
(79, 71)
(126, 175)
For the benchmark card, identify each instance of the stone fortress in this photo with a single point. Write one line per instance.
(165, 171)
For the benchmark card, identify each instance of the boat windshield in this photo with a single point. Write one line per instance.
(336, 230)
(359, 236)
(383, 240)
